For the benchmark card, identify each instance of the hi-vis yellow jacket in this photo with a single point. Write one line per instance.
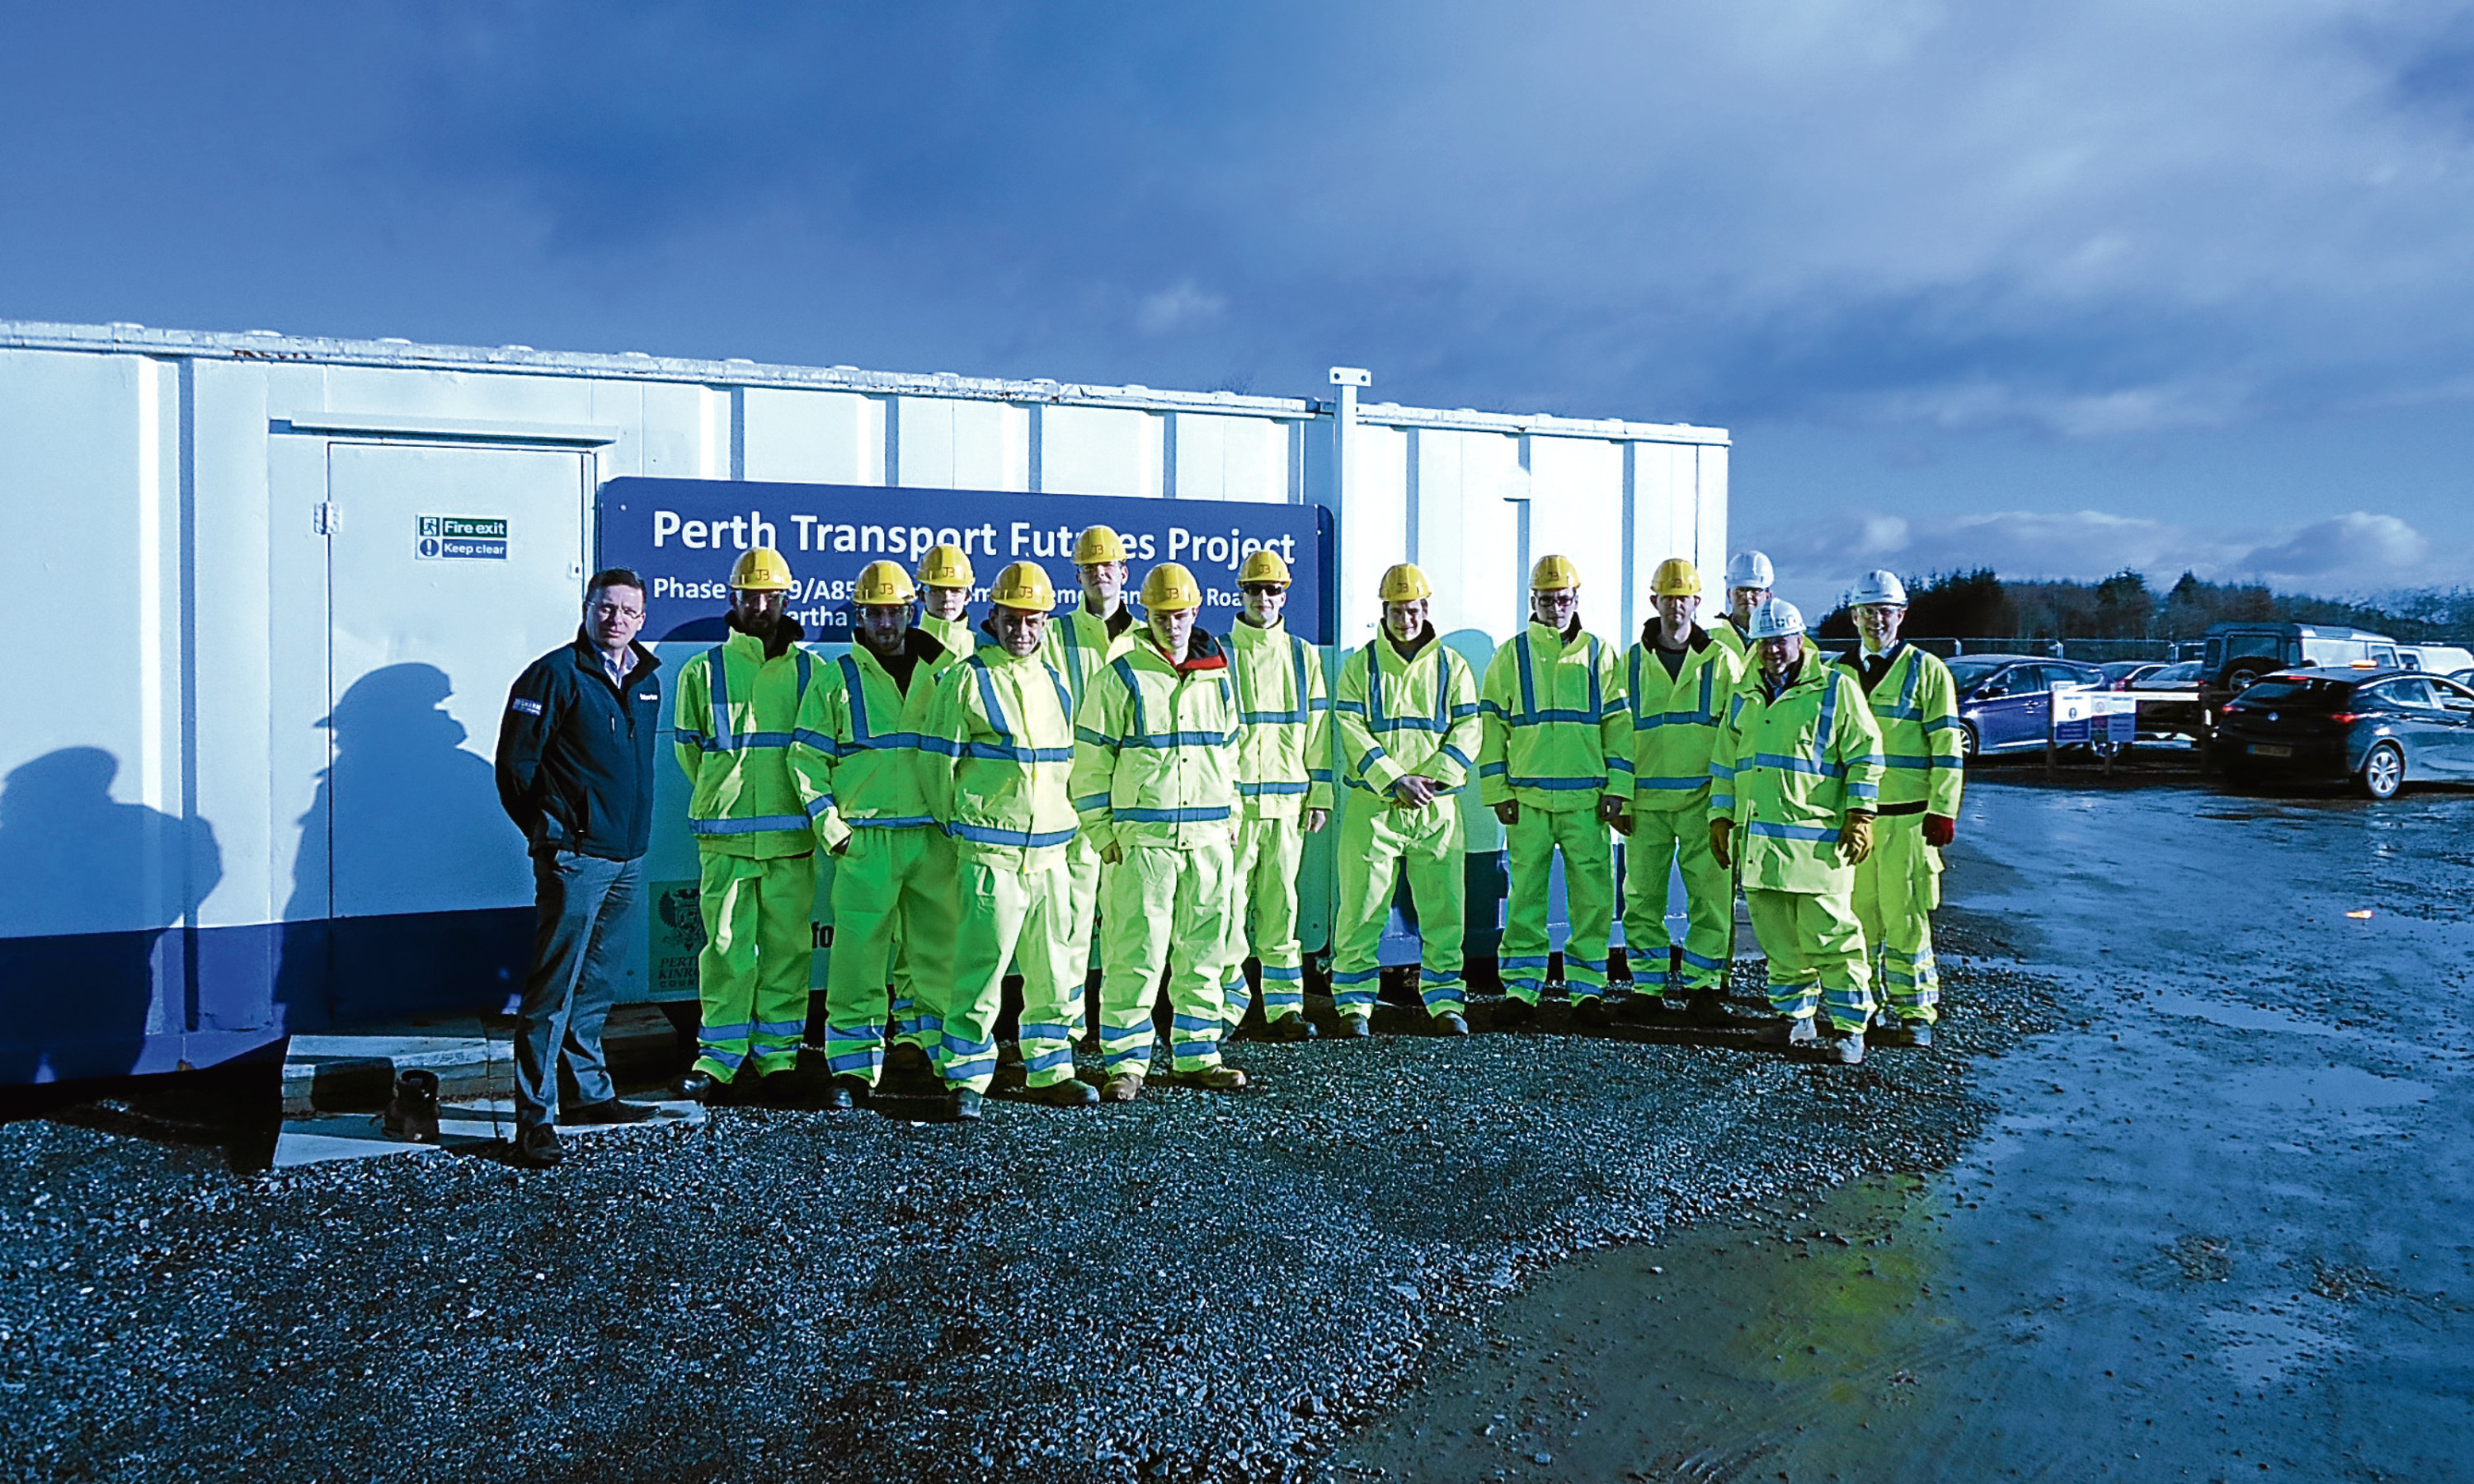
(1675, 718)
(1396, 717)
(854, 756)
(1555, 735)
(1078, 645)
(732, 726)
(1916, 705)
(1284, 722)
(1155, 748)
(996, 751)
(1786, 770)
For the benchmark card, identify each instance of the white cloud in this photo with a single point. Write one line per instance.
(1179, 308)
(2357, 553)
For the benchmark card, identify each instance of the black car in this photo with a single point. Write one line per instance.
(2379, 728)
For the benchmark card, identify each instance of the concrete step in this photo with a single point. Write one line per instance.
(474, 1057)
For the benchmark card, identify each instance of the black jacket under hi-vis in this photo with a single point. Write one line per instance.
(576, 753)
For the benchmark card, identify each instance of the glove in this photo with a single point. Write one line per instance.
(1611, 811)
(1719, 830)
(1316, 820)
(1855, 838)
(1112, 854)
(1940, 830)
(1508, 811)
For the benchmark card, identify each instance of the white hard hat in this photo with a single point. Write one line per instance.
(1751, 569)
(1775, 619)
(1878, 587)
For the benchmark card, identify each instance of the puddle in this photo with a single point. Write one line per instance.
(2339, 1089)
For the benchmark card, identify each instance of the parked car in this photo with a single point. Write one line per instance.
(2005, 701)
(2446, 659)
(2120, 673)
(2379, 728)
(2165, 718)
(2240, 655)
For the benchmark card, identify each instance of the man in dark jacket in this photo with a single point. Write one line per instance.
(575, 773)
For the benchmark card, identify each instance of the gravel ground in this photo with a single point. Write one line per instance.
(1193, 1288)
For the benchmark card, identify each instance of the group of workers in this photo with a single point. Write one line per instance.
(997, 796)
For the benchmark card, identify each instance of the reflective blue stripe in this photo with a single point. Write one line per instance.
(1523, 961)
(854, 1061)
(889, 822)
(1949, 763)
(1596, 966)
(1901, 760)
(1275, 971)
(1528, 688)
(717, 684)
(1491, 770)
(1063, 1056)
(995, 751)
(1696, 961)
(1673, 785)
(1195, 1049)
(1357, 975)
(1273, 718)
(781, 1027)
(988, 700)
(1134, 692)
(1565, 785)
(1619, 765)
(1456, 755)
(718, 694)
(1786, 764)
(870, 1035)
(955, 1045)
(1941, 724)
(981, 834)
(1168, 739)
(1195, 1022)
(1082, 734)
(1258, 790)
(1721, 804)
(822, 741)
(1195, 816)
(727, 1032)
(817, 805)
(1437, 976)
(1090, 802)
(1044, 1031)
(1721, 770)
(756, 824)
(1352, 708)
(1777, 831)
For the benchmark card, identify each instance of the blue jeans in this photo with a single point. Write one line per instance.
(580, 900)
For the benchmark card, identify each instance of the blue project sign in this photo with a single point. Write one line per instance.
(683, 535)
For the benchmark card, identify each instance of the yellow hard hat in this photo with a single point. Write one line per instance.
(1554, 574)
(883, 582)
(762, 570)
(1264, 566)
(1025, 585)
(945, 566)
(1675, 578)
(1169, 588)
(1098, 543)
(1406, 583)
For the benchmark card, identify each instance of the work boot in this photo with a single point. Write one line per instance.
(1791, 1031)
(1356, 1027)
(1123, 1088)
(608, 1111)
(1072, 1092)
(1851, 1049)
(1707, 1006)
(1912, 1033)
(1514, 1012)
(1217, 1079)
(694, 1087)
(1590, 1014)
(847, 1092)
(537, 1147)
(1292, 1027)
(1450, 1023)
(908, 1061)
(965, 1104)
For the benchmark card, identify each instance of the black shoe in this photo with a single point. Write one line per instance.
(1292, 1027)
(1590, 1014)
(967, 1105)
(1072, 1092)
(537, 1147)
(694, 1087)
(846, 1093)
(1450, 1023)
(1356, 1027)
(1514, 1012)
(1707, 1006)
(608, 1111)
(906, 1059)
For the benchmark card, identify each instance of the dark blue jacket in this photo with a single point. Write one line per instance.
(576, 753)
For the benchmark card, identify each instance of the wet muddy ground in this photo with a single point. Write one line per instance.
(2219, 1228)
(2235, 1187)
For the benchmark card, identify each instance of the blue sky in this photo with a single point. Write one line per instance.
(2053, 288)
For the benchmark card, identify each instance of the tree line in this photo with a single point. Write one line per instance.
(1978, 604)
